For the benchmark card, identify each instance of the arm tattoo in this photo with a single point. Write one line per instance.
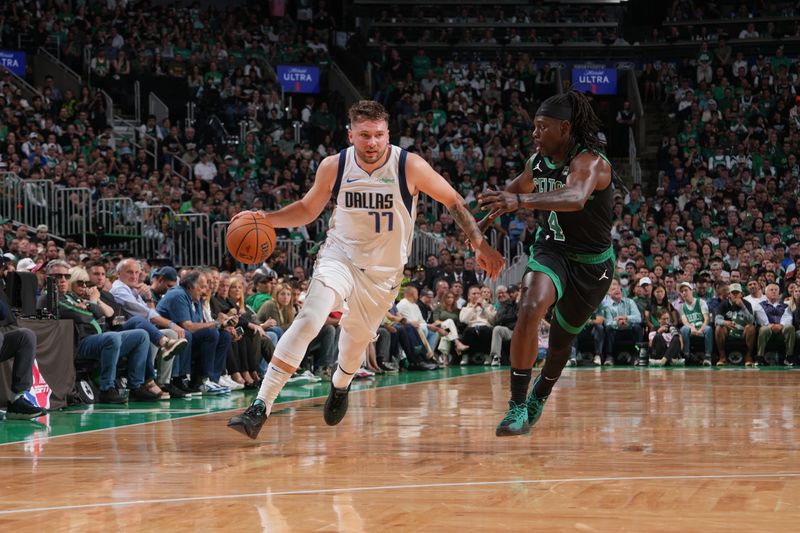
(464, 219)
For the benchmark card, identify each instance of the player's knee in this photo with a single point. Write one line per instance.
(309, 322)
(533, 309)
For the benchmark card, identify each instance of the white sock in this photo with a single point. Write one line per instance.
(272, 385)
(342, 379)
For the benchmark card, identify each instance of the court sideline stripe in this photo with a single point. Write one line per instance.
(281, 404)
(401, 487)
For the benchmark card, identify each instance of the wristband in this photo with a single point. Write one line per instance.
(171, 325)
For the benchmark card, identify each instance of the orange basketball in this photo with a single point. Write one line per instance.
(250, 238)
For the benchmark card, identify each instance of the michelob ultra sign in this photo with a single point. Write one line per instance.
(299, 78)
(601, 81)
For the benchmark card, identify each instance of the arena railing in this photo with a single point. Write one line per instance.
(157, 107)
(117, 218)
(642, 52)
(297, 251)
(64, 77)
(157, 236)
(636, 168)
(422, 245)
(512, 274)
(192, 239)
(28, 90)
(138, 139)
(71, 212)
(26, 201)
(66, 211)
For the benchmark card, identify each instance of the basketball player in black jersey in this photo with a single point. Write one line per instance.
(569, 182)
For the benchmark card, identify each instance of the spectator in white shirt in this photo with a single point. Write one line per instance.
(754, 294)
(205, 169)
(408, 309)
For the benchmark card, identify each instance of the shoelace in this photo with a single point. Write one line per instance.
(515, 412)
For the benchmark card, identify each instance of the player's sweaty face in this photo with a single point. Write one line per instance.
(546, 134)
(370, 139)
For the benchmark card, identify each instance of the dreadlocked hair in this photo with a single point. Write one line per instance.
(585, 123)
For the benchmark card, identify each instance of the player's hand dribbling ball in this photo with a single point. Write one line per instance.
(250, 238)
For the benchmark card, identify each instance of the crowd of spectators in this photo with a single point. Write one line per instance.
(721, 228)
(539, 23)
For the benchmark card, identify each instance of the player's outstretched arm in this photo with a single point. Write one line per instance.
(587, 173)
(310, 206)
(421, 177)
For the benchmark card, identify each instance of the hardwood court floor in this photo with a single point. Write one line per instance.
(620, 450)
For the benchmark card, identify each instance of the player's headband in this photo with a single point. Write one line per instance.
(554, 109)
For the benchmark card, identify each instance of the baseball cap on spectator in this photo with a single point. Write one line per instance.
(33, 135)
(261, 277)
(512, 288)
(9, 256)
(420, 268)
(26, 264)
(645, 281)
(735, 287)
(680, 228)
(42, 227)
(685, 284)
(166, 272)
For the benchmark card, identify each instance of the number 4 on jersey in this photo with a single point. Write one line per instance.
(552, 221)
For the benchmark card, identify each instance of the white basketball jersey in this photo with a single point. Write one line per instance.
(373, 221)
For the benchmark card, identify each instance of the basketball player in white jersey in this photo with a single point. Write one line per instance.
(375, 187)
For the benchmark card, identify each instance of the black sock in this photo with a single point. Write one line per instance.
(520, 379)
(543, 386)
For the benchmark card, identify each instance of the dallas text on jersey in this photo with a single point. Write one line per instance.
(368, 200)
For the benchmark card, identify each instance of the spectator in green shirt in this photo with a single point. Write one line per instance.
(262, 284)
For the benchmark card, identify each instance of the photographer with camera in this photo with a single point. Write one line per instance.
(19, 344)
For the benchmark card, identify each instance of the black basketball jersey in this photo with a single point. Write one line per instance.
(579, 232)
